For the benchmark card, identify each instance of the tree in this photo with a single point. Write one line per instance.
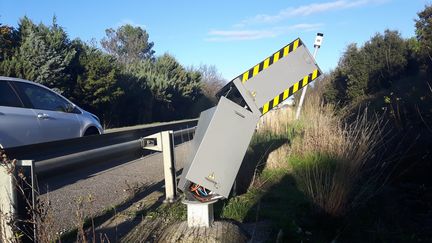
(387, 59)
(136, 106)
(98, 89)
(43, 55)
(350, 78)
(174, 88)
(424, 34)
(182, 87)
(212, 80)
(126, 86)
(371, 68)
(128, 44)
(8, 41)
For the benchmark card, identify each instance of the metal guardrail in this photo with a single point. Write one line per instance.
(53, 157)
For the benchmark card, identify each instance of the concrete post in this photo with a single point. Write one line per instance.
(317, 45)
(164, 142)
(14, 205)
(7, 205)
(169, 166)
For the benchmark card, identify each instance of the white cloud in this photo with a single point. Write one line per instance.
(306, 10)
(240, 31)
(225, 35)
(237, 35)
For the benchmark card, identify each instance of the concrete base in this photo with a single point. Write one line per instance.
(220, 231)
(199, 214)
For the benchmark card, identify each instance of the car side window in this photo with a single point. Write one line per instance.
(8, 97)
(44, 99)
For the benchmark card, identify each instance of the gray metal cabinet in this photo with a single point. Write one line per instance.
(224, 132)
(221, 147)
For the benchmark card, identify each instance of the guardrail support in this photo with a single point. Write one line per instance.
(164, 142)
(17, 200)
(7, 204)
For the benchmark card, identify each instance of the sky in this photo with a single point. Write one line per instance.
(231, 35)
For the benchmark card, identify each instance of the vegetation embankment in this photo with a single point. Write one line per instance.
(356, 166)
(353, 168)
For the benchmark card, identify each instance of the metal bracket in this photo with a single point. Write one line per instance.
(152, 142)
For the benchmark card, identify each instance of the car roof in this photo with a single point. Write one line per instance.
(4, 78)
(14, 79)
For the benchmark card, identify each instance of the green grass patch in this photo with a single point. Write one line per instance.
(172, 212)
(278, 200)
(278, 195)
(238, 208)
(313, 170)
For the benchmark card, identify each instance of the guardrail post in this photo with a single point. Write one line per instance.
(7, 204)
(164, 142)
(17, 201)
(169, 166)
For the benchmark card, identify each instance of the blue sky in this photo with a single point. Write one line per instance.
(232, 35)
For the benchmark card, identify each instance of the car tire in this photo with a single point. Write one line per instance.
(91, 131)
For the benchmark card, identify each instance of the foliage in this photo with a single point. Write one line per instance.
(424, 33)
(43, 55)
(8, 40)
(174, 88)
(212, 80)
(368, 69)
(237, 208)
(126, 85)
(128, 43)
(97, 85)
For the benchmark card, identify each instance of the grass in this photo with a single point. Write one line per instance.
(170, 212)
(330, 181)
(324, 170)
(309, 177)
(238, 208)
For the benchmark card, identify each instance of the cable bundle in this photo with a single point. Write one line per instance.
(202, 194)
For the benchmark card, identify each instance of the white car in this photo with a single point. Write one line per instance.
(32, 113)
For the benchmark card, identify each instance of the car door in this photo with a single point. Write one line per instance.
(18, 125)
(56, 122)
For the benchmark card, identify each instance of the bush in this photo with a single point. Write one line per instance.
(370, 68)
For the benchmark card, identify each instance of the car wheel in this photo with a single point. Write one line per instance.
(91, 131)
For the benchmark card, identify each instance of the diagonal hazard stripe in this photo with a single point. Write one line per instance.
(270, 60)
(290, 91)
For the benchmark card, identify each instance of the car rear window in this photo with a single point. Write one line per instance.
(8, 97)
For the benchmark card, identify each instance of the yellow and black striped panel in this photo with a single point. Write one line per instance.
(270, 60)
(288, 92)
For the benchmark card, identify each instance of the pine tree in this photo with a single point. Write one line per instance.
(43, 55)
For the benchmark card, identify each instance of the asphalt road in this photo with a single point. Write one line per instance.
(93, 189)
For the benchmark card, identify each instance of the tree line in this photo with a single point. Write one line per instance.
(381, 62)
(123, 82)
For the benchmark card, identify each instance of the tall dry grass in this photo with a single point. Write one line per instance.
(42, 217)
(277, 121)
(335, 164)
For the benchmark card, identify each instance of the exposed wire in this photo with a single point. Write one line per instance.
(201, 193)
